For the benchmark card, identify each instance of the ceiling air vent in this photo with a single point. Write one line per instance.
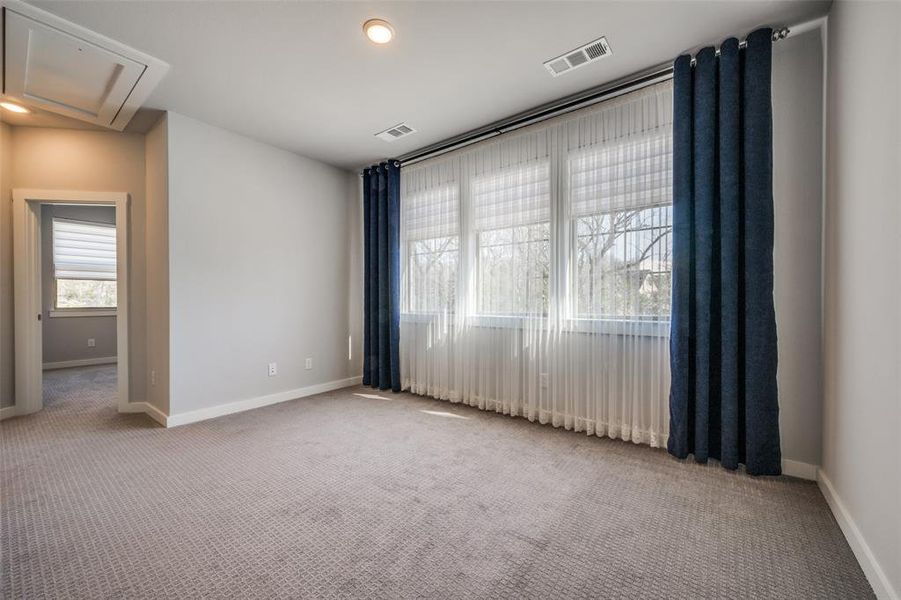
(395, 133)
(573, 59)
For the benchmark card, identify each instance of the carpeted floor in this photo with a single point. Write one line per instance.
(357, 494)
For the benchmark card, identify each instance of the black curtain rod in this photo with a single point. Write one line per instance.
(542, 113)
(556, 108)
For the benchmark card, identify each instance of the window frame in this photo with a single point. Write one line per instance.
(408, 280)
(79, 311)
(484, 316)
(505, 319)
(650, 325)
(572, 288)
(57, 311)
(636, 176)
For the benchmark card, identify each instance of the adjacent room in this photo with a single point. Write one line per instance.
(440, 299)
(78, 287)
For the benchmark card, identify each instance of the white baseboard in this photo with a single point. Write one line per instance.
(81, 362)
(146, 408)
(871, 568)
(7, 412)
(801, 470)
(240, 406)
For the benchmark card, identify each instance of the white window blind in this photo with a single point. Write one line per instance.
(623, 175)
(516, 196)
(431, 220)
(83, 250)
(432, 213)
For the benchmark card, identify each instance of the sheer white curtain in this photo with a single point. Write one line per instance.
(536, 271)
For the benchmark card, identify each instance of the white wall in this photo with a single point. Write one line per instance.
(258, 268)
(66, 338)
(862, 334)
(797, 196)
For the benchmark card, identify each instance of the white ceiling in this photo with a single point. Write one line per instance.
(301, 75)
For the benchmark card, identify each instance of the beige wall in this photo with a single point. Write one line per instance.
(7, 358)
(92, 161)
(66, 338)
(862, 413)
(355, 272)
(157, 178)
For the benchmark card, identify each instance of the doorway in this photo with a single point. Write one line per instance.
(32, 308)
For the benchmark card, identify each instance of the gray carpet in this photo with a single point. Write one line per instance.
(346, 496)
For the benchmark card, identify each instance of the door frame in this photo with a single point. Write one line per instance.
(27, 295)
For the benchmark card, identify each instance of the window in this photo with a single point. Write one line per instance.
(621, 200)
(568, 222)
(561, 269)
(512, 224)
(433, 273)
(623, 264)
(84, 264)
(514, 269)
(432, 226)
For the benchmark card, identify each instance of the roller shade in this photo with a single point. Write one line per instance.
(432, 213)
(632, 174)
(512, 197)
(83, 250)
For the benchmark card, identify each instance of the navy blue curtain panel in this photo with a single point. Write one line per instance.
(723, 397)
(381, 285)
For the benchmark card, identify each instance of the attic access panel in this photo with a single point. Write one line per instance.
(63, 68)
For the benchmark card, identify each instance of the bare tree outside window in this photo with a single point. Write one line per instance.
(624, 264)
(85, 293)
(432, 269)
(514, 270)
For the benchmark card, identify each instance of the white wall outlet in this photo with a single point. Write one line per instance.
(92, 343)
(308, 364)
(542, 379)
(273, 369)
(153, 377)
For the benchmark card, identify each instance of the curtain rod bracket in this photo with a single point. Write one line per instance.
(781, 33)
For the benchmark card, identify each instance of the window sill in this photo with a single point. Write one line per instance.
(83, 312)
(637, 327)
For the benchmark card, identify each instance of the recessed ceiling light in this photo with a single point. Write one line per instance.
(16, 108)
(378, 31)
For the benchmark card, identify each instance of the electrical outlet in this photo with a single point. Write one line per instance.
(309, 364)
(153, 377)
(273, 369)
(92, 343)
(543, 380)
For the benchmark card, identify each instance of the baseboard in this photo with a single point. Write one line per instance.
(146, 408)
(7, 412)
(242, 405)
(81, 362)
(882, 587)
(801, 470)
